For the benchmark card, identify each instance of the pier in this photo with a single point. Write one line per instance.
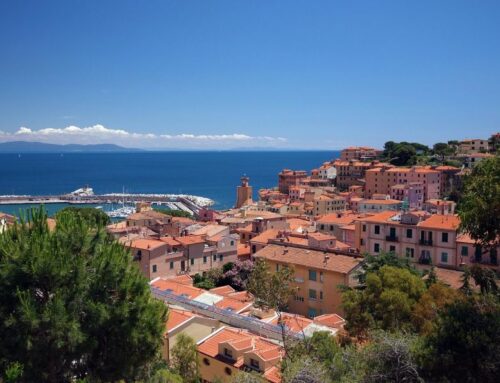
(188, 203)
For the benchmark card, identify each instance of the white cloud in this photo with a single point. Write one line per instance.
(98, 134)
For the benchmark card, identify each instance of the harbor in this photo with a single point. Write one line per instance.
(118, 204)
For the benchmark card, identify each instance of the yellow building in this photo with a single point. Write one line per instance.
(317, 276)
(227, 351)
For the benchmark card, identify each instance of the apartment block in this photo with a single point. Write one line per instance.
(317, 275)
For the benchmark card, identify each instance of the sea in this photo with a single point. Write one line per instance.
(212, 174)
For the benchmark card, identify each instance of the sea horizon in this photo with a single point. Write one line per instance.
(208, 173)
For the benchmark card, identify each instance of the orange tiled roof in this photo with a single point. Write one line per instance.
(176, 317)
(145, 244)
(309, 258)
(321, 237)
(441, 222)
(190, 240)
(177, 288)
(266, 349)
(330, 320)
(170, 241)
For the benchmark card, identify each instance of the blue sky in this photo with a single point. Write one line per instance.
(215, 74)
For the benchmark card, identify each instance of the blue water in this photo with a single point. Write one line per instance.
(209, 174)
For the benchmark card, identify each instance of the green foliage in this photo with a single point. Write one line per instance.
(185, 358)
(465, 345)
(73, 305)
(372, 263)
(403, 153)
(271, 290)
(479, 209)
(248, 377)
(174, 213)
(386, 302)
(92, 216)
(305, 370)
(212, 278)
(430, 304)
(13, 373)
(390, 358)
(443, 150)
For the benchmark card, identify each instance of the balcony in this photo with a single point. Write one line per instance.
(426, 242)
(391, 238)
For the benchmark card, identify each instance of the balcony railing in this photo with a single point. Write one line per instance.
(426, 242)
(391, 238)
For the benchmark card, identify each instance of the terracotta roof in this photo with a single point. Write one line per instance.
(321, 237)
(222, 290)
(243, 250)
(330, 320)
(177, 317)
(145, 244)
(265, 236)
(344, 219)
(309, 258)
(442, 222)
(170, 241)
(190, 240)
(177, 288)
(381, 201)
(210, 346)
(185, 279)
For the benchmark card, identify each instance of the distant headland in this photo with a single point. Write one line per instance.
(41, 147)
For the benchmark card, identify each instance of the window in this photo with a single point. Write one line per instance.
(444, 237)
(228, 371)
(154, 268)
(364, 227)
(321, 276)
(377, 229)
(444, 257)
(409, 233)
(204, 259)
(215, 257)
(410, 253)
(228, 353)
(171, 265)
(376, 248)
(206, 362)
(311, 313)
(232, 243)
(191, 261)
(392, 249)
(254, 363)
(322, 227)
(312, 275)
(321, 295)
(465, 251)
(312, 294)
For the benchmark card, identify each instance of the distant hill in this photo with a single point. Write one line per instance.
(40, 147)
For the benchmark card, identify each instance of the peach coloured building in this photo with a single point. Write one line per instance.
(350, 173)
(288, 178)
(360, 152)
(325, 204)
(377, 205)
(317, 276)
(380, 180)
(474, 145)
(244, 193)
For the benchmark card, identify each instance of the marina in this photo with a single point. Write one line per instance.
(116, 205)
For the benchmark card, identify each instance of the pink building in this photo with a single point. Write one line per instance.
(380, 180)
(412, 193)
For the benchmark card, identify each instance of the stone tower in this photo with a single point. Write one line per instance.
(244, 193)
